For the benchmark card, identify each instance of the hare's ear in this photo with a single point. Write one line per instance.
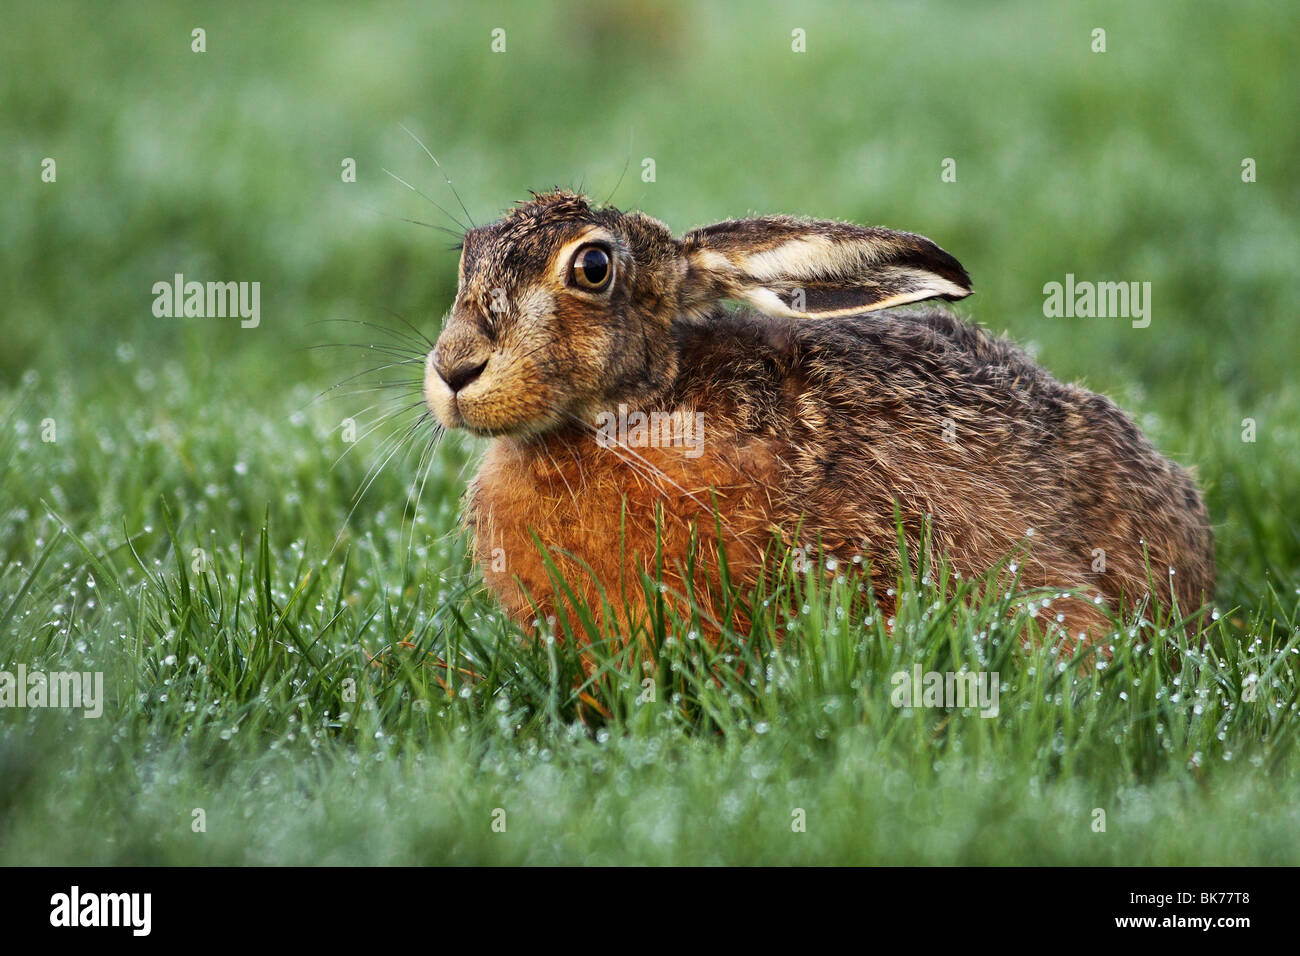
(804, 267)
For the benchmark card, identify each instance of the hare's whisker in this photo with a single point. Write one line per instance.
(384, 419)
(353, 378)
(460, 224)
(441, 170)
(626, 163)
(397, 387)
(407, 356)
(418, 340)
(371, 474)
(397, 443)
(429, 225)
(385, 215)
(417, 336)
(422, 468)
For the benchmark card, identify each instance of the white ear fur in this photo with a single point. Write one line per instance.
(800, 268)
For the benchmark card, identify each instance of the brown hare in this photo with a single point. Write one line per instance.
(633, 418)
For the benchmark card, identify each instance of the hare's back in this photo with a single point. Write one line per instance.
(922, 409)
(929, 349)
(753, 366)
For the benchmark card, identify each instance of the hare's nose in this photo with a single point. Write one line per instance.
(458, 374)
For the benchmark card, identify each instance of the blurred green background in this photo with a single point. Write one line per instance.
(225, 166)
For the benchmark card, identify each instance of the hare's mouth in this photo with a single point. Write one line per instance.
(501, 400)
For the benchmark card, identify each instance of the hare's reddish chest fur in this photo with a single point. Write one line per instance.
(607, 514)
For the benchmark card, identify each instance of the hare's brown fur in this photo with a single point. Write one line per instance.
(815, 429)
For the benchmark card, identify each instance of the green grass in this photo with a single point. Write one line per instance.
(228, 687)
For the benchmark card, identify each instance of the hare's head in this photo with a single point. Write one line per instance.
(563, 309)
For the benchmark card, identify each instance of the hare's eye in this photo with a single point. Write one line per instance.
(592, 268)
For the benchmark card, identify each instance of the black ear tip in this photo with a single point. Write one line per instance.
(928, 254)
(953, 271)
